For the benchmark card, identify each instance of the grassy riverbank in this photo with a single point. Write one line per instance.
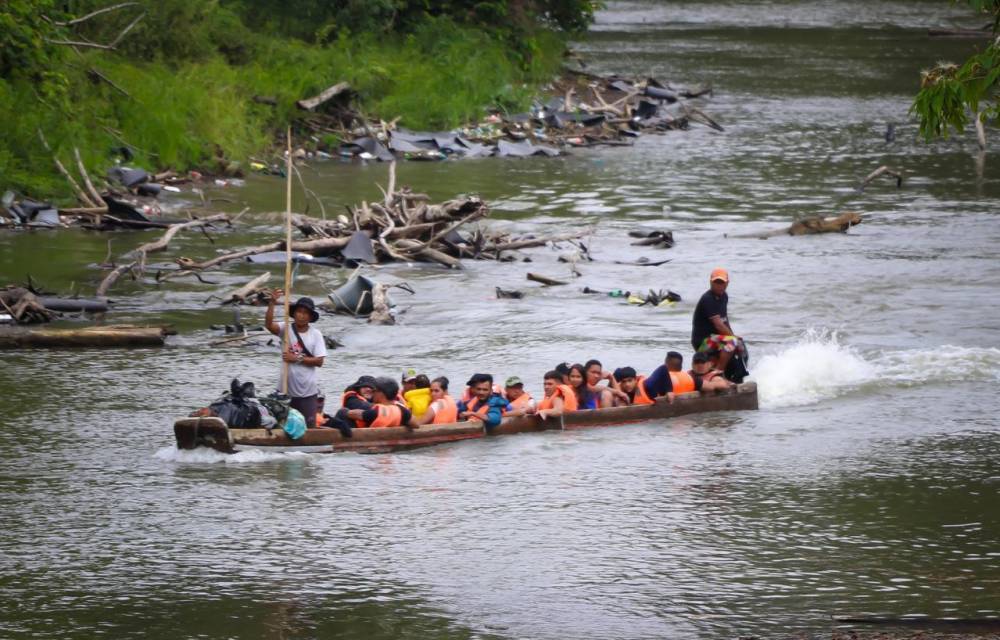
(189, 114)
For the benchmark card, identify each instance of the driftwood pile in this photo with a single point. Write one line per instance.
(580, 110)
(403, 226)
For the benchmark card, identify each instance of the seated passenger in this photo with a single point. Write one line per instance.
(485, 405)
(559, 398)
(577, 378)
(418, 398)
(386, 410)
(632, 385)
(675, 361)
(442, 409)
(606, 395)
(356, 396)
(706, 378)
(664, 382)
(519, 399)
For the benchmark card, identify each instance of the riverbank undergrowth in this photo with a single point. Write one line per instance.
(202, 113)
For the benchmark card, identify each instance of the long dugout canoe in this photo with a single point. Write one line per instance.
(192, 433)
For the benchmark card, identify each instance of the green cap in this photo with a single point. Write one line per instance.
(513, 381)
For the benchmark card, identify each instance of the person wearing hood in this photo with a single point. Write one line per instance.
(418, 398)
(305, 351)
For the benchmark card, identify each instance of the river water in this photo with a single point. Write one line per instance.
(869, 480)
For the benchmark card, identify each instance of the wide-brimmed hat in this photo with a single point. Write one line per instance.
(363, 381)
(307, 304)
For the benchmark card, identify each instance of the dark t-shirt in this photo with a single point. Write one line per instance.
(659, 383)
(370, 414)
(355, 402)
(709, 305)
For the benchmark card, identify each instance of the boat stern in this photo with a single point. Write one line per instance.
(210, 432)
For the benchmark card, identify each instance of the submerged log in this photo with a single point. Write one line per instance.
(810, 226)
(240, 295)
(109, 336)
(545, 280)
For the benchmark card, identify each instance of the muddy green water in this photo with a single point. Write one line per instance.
(869, 481)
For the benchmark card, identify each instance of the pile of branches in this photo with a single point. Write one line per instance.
(403, 226)
(23, 307)
(580, 110)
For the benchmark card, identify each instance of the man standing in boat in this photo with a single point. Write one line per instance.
(710, 329)
(304, 352)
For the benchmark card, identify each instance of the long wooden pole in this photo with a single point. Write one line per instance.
(287, 338)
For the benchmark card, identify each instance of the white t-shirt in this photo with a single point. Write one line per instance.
(301, 377)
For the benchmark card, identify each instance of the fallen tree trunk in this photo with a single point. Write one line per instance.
(240, 295)
(884, 169)
(810, 226)
(111, 278)
(164, 240)
(533, 242)
(547, 281)
(310, 104)
(110, 336)
(74, 304)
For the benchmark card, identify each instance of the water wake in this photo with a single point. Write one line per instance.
(818, 367)
(815, 368)
(204, 455)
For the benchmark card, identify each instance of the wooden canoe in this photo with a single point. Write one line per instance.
(213, 432)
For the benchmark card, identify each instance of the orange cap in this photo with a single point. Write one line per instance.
(719, 273)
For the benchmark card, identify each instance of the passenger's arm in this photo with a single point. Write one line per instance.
(428, 416)
(721, 327)
(556, 410)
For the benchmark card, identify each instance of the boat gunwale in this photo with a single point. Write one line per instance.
(212, 431)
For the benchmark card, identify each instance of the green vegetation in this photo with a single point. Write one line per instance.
(177, 89)
(949, 93)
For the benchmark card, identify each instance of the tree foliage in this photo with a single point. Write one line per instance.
(949, 93)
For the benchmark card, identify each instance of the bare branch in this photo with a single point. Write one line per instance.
(94, 14)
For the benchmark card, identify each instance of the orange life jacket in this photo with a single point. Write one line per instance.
(565, 392)
(478, 407)
(389, 415)
(522, 401)
(343, 403)
(682, 381)
(640, 396)
(447, 413)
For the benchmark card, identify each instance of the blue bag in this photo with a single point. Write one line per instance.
(295, 424)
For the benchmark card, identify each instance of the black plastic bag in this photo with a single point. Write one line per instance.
(234, 407)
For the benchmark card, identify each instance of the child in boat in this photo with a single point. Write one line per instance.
(418, 398)
(443, 409)
(705, 376)
(607, 396)
(386, 410)
(485, 404)
(519, 399)
(559, 398)
(632, 385)
(304, 352)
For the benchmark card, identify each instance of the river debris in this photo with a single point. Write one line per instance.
(578, 110)
(30, 305)
(102, 336)
(883, 170)
(655, 238)
(813, 225)
(514, 294)
(135, 260)
(403, 226)
(545, 280)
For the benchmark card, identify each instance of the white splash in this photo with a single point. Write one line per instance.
(204, 455)
(815, 368)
